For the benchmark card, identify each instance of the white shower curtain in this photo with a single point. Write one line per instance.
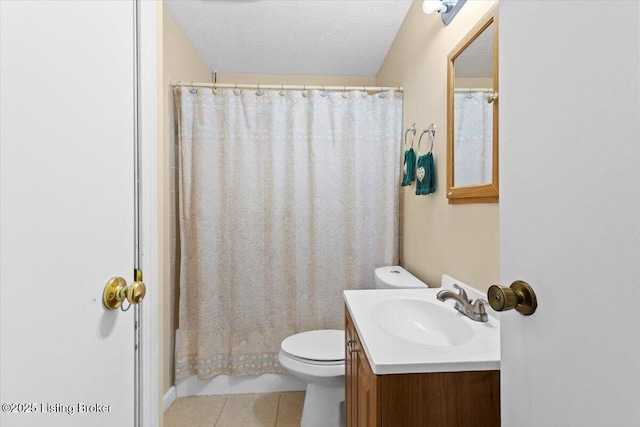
(286, 199)
(473, 122)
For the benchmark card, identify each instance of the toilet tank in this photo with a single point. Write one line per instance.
(396, 277)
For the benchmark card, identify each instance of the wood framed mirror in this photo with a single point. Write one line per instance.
(472, 116)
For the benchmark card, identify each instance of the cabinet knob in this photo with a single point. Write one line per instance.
(519, 295)
(350, 346)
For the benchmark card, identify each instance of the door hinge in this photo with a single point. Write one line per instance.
(137, 275)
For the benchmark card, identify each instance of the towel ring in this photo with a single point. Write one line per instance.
(413, 138)
(420, 140)
(432, 135)
(431, 130)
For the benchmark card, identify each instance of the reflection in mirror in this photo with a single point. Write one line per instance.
(472, 135)
(472, 114)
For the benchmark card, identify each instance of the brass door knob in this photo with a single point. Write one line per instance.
(136, 292)
(117, 291)
(519, 295)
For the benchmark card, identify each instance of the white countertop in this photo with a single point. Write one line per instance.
(389, 354)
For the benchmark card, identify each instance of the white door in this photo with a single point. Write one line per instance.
(67, 212)
(570, 211)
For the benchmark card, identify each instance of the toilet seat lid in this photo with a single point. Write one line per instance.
(323, 345)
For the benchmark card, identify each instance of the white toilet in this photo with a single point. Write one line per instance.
(317, 357)
(396, 277)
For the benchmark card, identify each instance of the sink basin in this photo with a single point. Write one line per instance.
(405, 331)
(422, 322)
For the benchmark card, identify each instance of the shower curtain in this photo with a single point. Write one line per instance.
(286, 199)
(473, 122)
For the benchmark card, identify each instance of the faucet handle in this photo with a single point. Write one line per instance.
(462, 293)
(478, 306)
(478, 311)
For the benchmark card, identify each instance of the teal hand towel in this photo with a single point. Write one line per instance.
(426, 175)
(409, 167)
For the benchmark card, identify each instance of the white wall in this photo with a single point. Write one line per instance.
(570, 211)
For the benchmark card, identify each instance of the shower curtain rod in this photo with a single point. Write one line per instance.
(287, 87)
(474, 89)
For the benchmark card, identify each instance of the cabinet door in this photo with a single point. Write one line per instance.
(368, 401)
(363, 391)
(351, 374)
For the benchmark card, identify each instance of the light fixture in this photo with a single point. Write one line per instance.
(430, 6)
(447, 8)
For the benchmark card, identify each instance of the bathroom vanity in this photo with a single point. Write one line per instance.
(393, 380)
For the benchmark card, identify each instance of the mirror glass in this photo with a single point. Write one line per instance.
(473, 117)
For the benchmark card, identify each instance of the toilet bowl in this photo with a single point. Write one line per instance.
(317, 357)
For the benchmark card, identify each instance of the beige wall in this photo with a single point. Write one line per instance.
(180, 61)
(438, 238)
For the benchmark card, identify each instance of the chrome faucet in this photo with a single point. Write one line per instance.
(474, 311)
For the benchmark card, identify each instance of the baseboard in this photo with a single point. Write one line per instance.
(227, 384)
(169, 397)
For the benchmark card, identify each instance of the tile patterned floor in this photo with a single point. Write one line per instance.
(237, 410)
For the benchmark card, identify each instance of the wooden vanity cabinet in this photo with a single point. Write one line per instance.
(440, 399)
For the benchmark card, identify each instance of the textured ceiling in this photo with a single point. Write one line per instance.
(312, 37)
